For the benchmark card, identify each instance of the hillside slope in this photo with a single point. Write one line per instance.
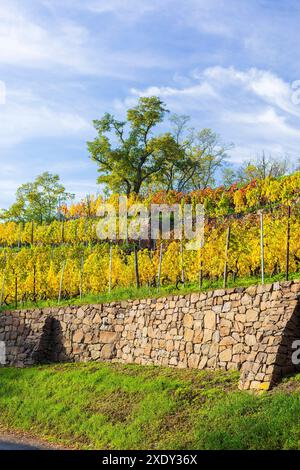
(109, 406)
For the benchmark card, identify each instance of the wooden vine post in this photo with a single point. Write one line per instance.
(19, 236)
(63, 231)
(160, 263)
(182, 262)
(34, 282)
(136, 267)
(3, 282)
(201, 270)
(16, 290)
(61, 281)
(32, 232)
(288, 236)
(81, 277)
(110, 269)
(225, 275)
(201, 262)
(262, 247)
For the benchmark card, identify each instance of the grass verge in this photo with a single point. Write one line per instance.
(114, 406)
(149, 292)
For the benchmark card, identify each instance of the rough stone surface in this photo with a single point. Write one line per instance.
(251, 330)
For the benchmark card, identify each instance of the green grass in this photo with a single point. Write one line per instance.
(113, 406)
(146, 292)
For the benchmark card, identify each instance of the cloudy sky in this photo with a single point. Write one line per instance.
(229, 64)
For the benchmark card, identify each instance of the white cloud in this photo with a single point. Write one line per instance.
(29, 43)
(262, 83)
(195, 91)
(266, 123)
(213, 17)
(192, 95)
(252, 108)
(26, 116)
(133, 9)
(214, 83)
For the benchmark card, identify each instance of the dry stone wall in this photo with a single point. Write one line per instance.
(251, 330)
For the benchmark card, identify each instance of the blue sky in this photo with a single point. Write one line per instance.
(228, 64)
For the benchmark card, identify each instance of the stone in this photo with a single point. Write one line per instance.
(173, 361)
(251, 315)
(207, 336)
(159, 307)
(226, 307)
(193, 361)
(251, 291)
(80, 313)
(240, 317)
(225, 355)
(188, 321)
(227, 341)
(188, 334)
(210, 320)
(108, 337)
(78, 336)
(238, 348)
(202, 362)
(250, 340)
(246, 299)
(219, 293)
(198, 335)
(255, 385)
(95, 355)
(194, 298)
(107, 352)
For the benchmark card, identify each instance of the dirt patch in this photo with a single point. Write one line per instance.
(116, 406)
(288, 386)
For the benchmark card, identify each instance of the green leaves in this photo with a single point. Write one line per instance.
(149, 112)
(38, 200)
(127, 153)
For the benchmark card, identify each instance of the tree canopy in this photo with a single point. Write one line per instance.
(132, 155)
(38, 200)
(127, 152)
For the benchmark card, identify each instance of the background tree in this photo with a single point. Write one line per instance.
(129, 156)
(38, 200)
(229, 176)
(207, 155)
(175, 169)
(202, 155)
(263, 167)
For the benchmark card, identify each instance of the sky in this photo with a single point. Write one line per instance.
(231, 65)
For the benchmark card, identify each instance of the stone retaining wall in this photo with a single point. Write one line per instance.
(251, 330)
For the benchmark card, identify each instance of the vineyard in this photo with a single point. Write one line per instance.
(267, 194)
(64, 260)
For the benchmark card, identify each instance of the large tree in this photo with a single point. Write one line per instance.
(128, 153)
(38, 200)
